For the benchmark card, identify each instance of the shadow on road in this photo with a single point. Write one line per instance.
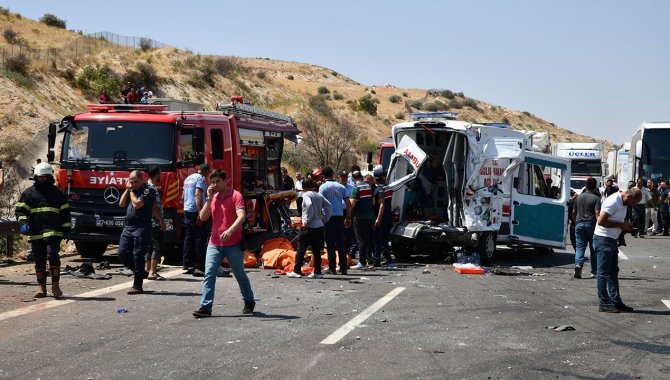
(649, 347)
(178, 294)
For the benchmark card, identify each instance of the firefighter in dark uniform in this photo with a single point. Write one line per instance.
(44, 216)
(135, 239)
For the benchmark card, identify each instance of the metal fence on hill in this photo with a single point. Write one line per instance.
(86, 45)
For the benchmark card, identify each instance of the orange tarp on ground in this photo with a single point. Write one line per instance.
(279, 254)
(250, 260)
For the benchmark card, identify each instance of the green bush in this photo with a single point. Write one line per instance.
(11, 36)
(373, 92)
(144, 74)
(470, 103)
(53, 20)
(290, 77)
(400, 116)
(368, 105)
(19, 79)
(146, 44)
(323, 90)
(527, 113)
(447, 94)
(395, 99)
(416, 104)
(227, 66)
(318, 104)
(19, 63)
(337, 96)
(431, 107)
(455, 104)
(261, 75)
(96, 80)
(405, 94)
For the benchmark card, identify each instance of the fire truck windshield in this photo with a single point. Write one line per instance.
(120, 143)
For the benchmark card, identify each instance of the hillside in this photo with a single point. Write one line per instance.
(64, 70)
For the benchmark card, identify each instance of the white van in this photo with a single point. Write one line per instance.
(459, 184)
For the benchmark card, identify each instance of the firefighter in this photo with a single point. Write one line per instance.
(44, 216)
(135, 239)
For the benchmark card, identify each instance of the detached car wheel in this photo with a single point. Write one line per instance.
(487, 247)
(90, 250)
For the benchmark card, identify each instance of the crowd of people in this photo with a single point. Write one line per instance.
(348, 212)
(130, 94)
(601, 218)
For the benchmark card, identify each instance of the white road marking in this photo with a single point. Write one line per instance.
(360, 318)
(667, 303)
(622, 255)
(70, 299)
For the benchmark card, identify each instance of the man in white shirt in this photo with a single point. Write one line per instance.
(610, 224)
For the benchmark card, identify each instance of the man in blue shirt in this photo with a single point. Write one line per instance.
(195, 230)
(338, 197)
(136, 236)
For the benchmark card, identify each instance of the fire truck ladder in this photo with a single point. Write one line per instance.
(248, 110)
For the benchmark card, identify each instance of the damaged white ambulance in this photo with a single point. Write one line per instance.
(472, 186)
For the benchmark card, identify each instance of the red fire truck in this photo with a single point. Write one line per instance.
(100, 147)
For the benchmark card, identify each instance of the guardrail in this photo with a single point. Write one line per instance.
(9, 228)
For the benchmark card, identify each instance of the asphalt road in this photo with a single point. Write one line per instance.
(433, 325)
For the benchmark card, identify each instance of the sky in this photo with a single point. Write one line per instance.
(596, 67)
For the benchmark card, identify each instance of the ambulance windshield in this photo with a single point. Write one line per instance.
(120, 142)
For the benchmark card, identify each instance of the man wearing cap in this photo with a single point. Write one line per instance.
(337, 195)
(44, 215)
(317, 177)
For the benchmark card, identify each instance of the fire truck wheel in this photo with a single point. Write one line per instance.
(90, 250)
(487, 247)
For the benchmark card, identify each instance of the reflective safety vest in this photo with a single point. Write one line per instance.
(46, 211)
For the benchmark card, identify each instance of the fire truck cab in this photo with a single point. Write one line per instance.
(100, 147)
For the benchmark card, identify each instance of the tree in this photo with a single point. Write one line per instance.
(329, 140)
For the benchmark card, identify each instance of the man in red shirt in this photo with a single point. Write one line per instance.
(226, 207)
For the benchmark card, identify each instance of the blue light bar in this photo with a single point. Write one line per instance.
(433, 115)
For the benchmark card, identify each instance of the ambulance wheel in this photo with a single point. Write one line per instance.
(487, 247)
(90, 250)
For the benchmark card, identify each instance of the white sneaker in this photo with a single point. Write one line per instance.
(315, 275)
(358, 266)
(293, 275)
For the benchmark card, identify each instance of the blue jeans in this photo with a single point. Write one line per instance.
(584, 237)
(215, 256)
(195, 241)
(608, 270)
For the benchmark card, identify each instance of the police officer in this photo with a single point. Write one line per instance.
(44, 215)
(135, 239)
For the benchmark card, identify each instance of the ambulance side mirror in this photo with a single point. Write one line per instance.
(51, 141)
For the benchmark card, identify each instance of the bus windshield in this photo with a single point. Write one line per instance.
(120, 142)
(655, 154)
